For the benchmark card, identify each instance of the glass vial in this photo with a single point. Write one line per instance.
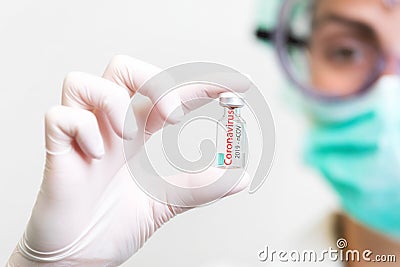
(231, 133)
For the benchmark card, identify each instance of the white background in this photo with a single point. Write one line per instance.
(41, 41)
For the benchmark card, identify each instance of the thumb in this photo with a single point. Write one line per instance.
(203, 188)
(199, 189)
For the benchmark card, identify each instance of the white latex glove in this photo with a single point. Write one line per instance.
(89, 211)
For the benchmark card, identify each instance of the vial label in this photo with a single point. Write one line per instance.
(231, 140)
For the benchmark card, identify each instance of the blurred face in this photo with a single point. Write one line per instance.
(348, 40)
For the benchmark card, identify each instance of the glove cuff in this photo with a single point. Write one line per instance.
(37, 256)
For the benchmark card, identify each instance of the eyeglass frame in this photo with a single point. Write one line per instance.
(281, 37)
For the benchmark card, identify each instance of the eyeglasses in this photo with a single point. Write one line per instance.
(325, 55)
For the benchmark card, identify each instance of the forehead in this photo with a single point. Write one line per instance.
(363, 10)
(379, 15)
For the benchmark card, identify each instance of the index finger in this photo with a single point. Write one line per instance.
(132, 74)
(170, 105)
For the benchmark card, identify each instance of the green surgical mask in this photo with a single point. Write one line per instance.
(356, 147)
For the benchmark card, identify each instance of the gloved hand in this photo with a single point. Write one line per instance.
(89, 211)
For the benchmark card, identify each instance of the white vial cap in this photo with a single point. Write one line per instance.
(231, 100)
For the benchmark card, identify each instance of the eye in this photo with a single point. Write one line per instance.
(344, 54)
